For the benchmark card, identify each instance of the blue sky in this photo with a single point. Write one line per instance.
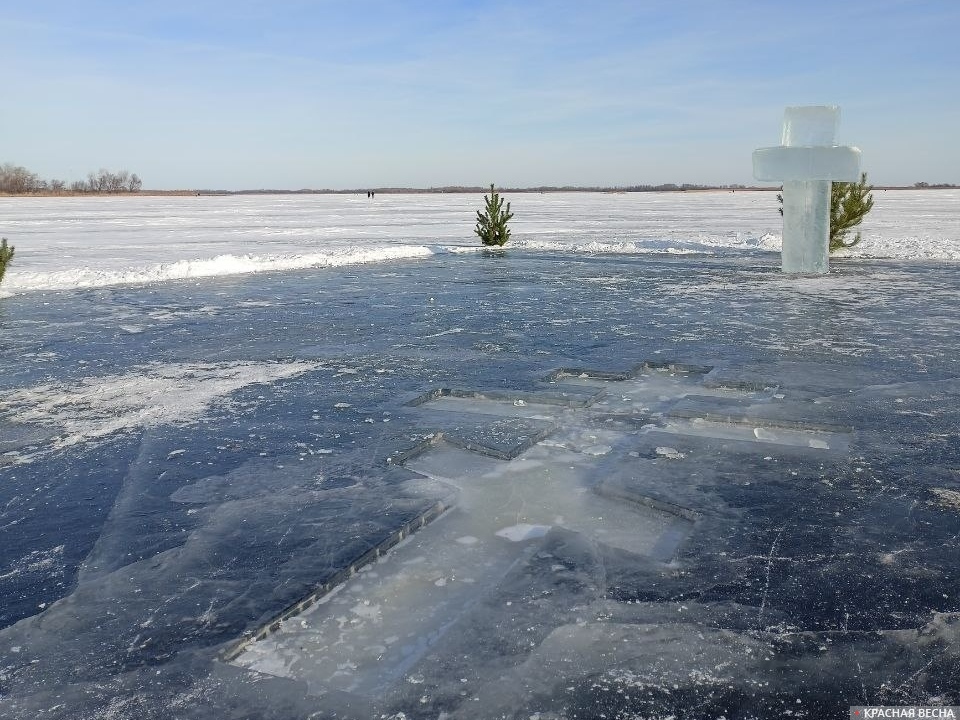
(351, 94)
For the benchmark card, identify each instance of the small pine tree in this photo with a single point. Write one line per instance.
(492, 224)
(6, 255)
(849, 204)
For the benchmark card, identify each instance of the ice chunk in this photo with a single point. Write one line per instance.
(597, 450)
(765, 435)
(523, 531)
(810, 125)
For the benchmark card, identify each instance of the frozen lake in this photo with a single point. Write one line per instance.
(624, 468)
(91, 242)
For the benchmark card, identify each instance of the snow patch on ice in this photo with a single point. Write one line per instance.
(947, 498)
(147, 396)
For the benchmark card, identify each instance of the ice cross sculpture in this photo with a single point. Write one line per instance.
(806, 163)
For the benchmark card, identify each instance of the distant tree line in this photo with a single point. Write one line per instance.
(667, 187)
(934, 186)
(16, 180)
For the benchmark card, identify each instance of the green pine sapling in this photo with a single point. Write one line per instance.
(492, 224)
(6, 255)
(849, 203)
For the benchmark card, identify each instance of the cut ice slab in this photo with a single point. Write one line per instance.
(785, 164)
(765, 421)
(794, 415)
(369, 634)
(760, 437)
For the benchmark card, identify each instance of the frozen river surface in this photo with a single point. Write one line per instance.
(557, 482)
(93, 242)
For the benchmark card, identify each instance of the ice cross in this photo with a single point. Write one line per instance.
(806, 163)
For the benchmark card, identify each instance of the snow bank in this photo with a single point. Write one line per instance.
(86, 277)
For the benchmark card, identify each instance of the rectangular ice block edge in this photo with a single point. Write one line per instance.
(784, 164)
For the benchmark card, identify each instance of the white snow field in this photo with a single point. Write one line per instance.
(71, 242)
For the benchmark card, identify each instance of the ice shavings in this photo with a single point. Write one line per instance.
(37, 562)
(147, 396)
(670, 453)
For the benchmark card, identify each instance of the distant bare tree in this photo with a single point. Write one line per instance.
(16, 179)
(117, 182)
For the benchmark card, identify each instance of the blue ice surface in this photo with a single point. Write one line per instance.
(128, 564)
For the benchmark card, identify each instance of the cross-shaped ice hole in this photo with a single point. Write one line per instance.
(806, 162)
(371, 633)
